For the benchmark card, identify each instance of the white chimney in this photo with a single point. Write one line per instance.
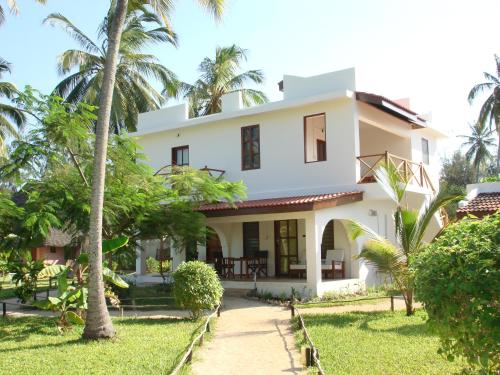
(232, 101)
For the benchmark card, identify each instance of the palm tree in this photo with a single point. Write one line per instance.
(16, 116)
(12, 4)
(478, 144)
(133, 93)
(391, 259)
(98, 324)
(490, 110)
(219, 77)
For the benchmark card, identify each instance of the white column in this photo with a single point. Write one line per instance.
(178, 256)
(313, 254)
(140, 260)
(202, 253)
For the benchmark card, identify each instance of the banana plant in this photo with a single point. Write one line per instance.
(71, 300)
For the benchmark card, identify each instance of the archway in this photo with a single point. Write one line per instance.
(336, 251)
(213, 245)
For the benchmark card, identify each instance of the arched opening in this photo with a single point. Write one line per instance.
(213, 245)
(335, 252)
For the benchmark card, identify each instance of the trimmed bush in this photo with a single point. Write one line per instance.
(196, 287)
(458, 280)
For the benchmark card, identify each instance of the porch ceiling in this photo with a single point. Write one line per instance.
(283, 204)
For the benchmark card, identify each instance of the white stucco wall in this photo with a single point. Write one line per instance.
(283, 171)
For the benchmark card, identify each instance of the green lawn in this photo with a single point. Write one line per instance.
(376, 343)
(142, 346)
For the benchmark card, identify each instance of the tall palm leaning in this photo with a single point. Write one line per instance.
(98, 324)
(133, 93)
(220, 76)
(10, 116)
(391, 259)
(490, 110)
(12, 4)
(478, 143)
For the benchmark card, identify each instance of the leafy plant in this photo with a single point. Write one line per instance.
(196, 287)
(68, 298)
(71, 300)
(153, 265)
(394, 260)
(458, 280)
(25, 276)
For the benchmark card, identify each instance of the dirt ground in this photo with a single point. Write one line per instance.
(250, 338)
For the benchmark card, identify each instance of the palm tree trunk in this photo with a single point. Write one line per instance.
(408, 296)
(98, 324)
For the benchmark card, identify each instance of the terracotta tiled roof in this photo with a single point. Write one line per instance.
(483, 203)
(300, 203)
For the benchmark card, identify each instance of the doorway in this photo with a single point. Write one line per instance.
(286, 245)
(214, 247)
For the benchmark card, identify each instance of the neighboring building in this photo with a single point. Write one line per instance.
(481, 200)
(52, 250)
(308, 163)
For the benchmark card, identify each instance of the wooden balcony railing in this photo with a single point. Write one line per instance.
(410, 171)
(167, 170)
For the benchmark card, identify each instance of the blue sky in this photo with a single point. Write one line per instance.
(430, 51)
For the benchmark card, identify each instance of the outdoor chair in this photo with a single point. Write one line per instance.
(334, 262)
(297, 270)
(262, 256)
(228, 268)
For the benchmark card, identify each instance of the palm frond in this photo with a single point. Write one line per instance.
(78, 35)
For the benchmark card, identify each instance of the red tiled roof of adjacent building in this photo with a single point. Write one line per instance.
(282, 204)
(481, 205)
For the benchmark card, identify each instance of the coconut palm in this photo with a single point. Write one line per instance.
(133, 93)
(220, 76)
(490, 110)
(98, 324)
(10, 116)
(478, 143)
(12, 4)
(391, 259)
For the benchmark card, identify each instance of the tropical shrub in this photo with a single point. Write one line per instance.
(196, 287)
(458, 280)
(25, 277)
(153, 265)
(71, 299)
(410, 225)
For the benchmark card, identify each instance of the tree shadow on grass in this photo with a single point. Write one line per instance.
(20, 329)
(367, 321)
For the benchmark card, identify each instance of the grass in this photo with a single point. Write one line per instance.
(142, 346)
(368, 296)
(376, 343)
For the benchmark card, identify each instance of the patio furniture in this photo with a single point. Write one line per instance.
(297, 270)
(334, 262)
(218, 262)
(244, 261)
(228, 267)
(262, 256)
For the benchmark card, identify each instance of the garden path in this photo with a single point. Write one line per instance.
(250, 338)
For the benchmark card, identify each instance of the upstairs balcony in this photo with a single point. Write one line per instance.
(412, 172)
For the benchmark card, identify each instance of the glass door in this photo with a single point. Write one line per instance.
(285, 233)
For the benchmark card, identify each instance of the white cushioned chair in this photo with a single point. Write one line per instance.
(298, 270)
(333, 263)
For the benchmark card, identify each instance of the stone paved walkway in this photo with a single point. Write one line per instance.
(250, 338)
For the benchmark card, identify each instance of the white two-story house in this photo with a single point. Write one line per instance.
(308, 163)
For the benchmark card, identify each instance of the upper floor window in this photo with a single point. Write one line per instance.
(250, 147)
(425, 151)
(180, 155)
(315, 138)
